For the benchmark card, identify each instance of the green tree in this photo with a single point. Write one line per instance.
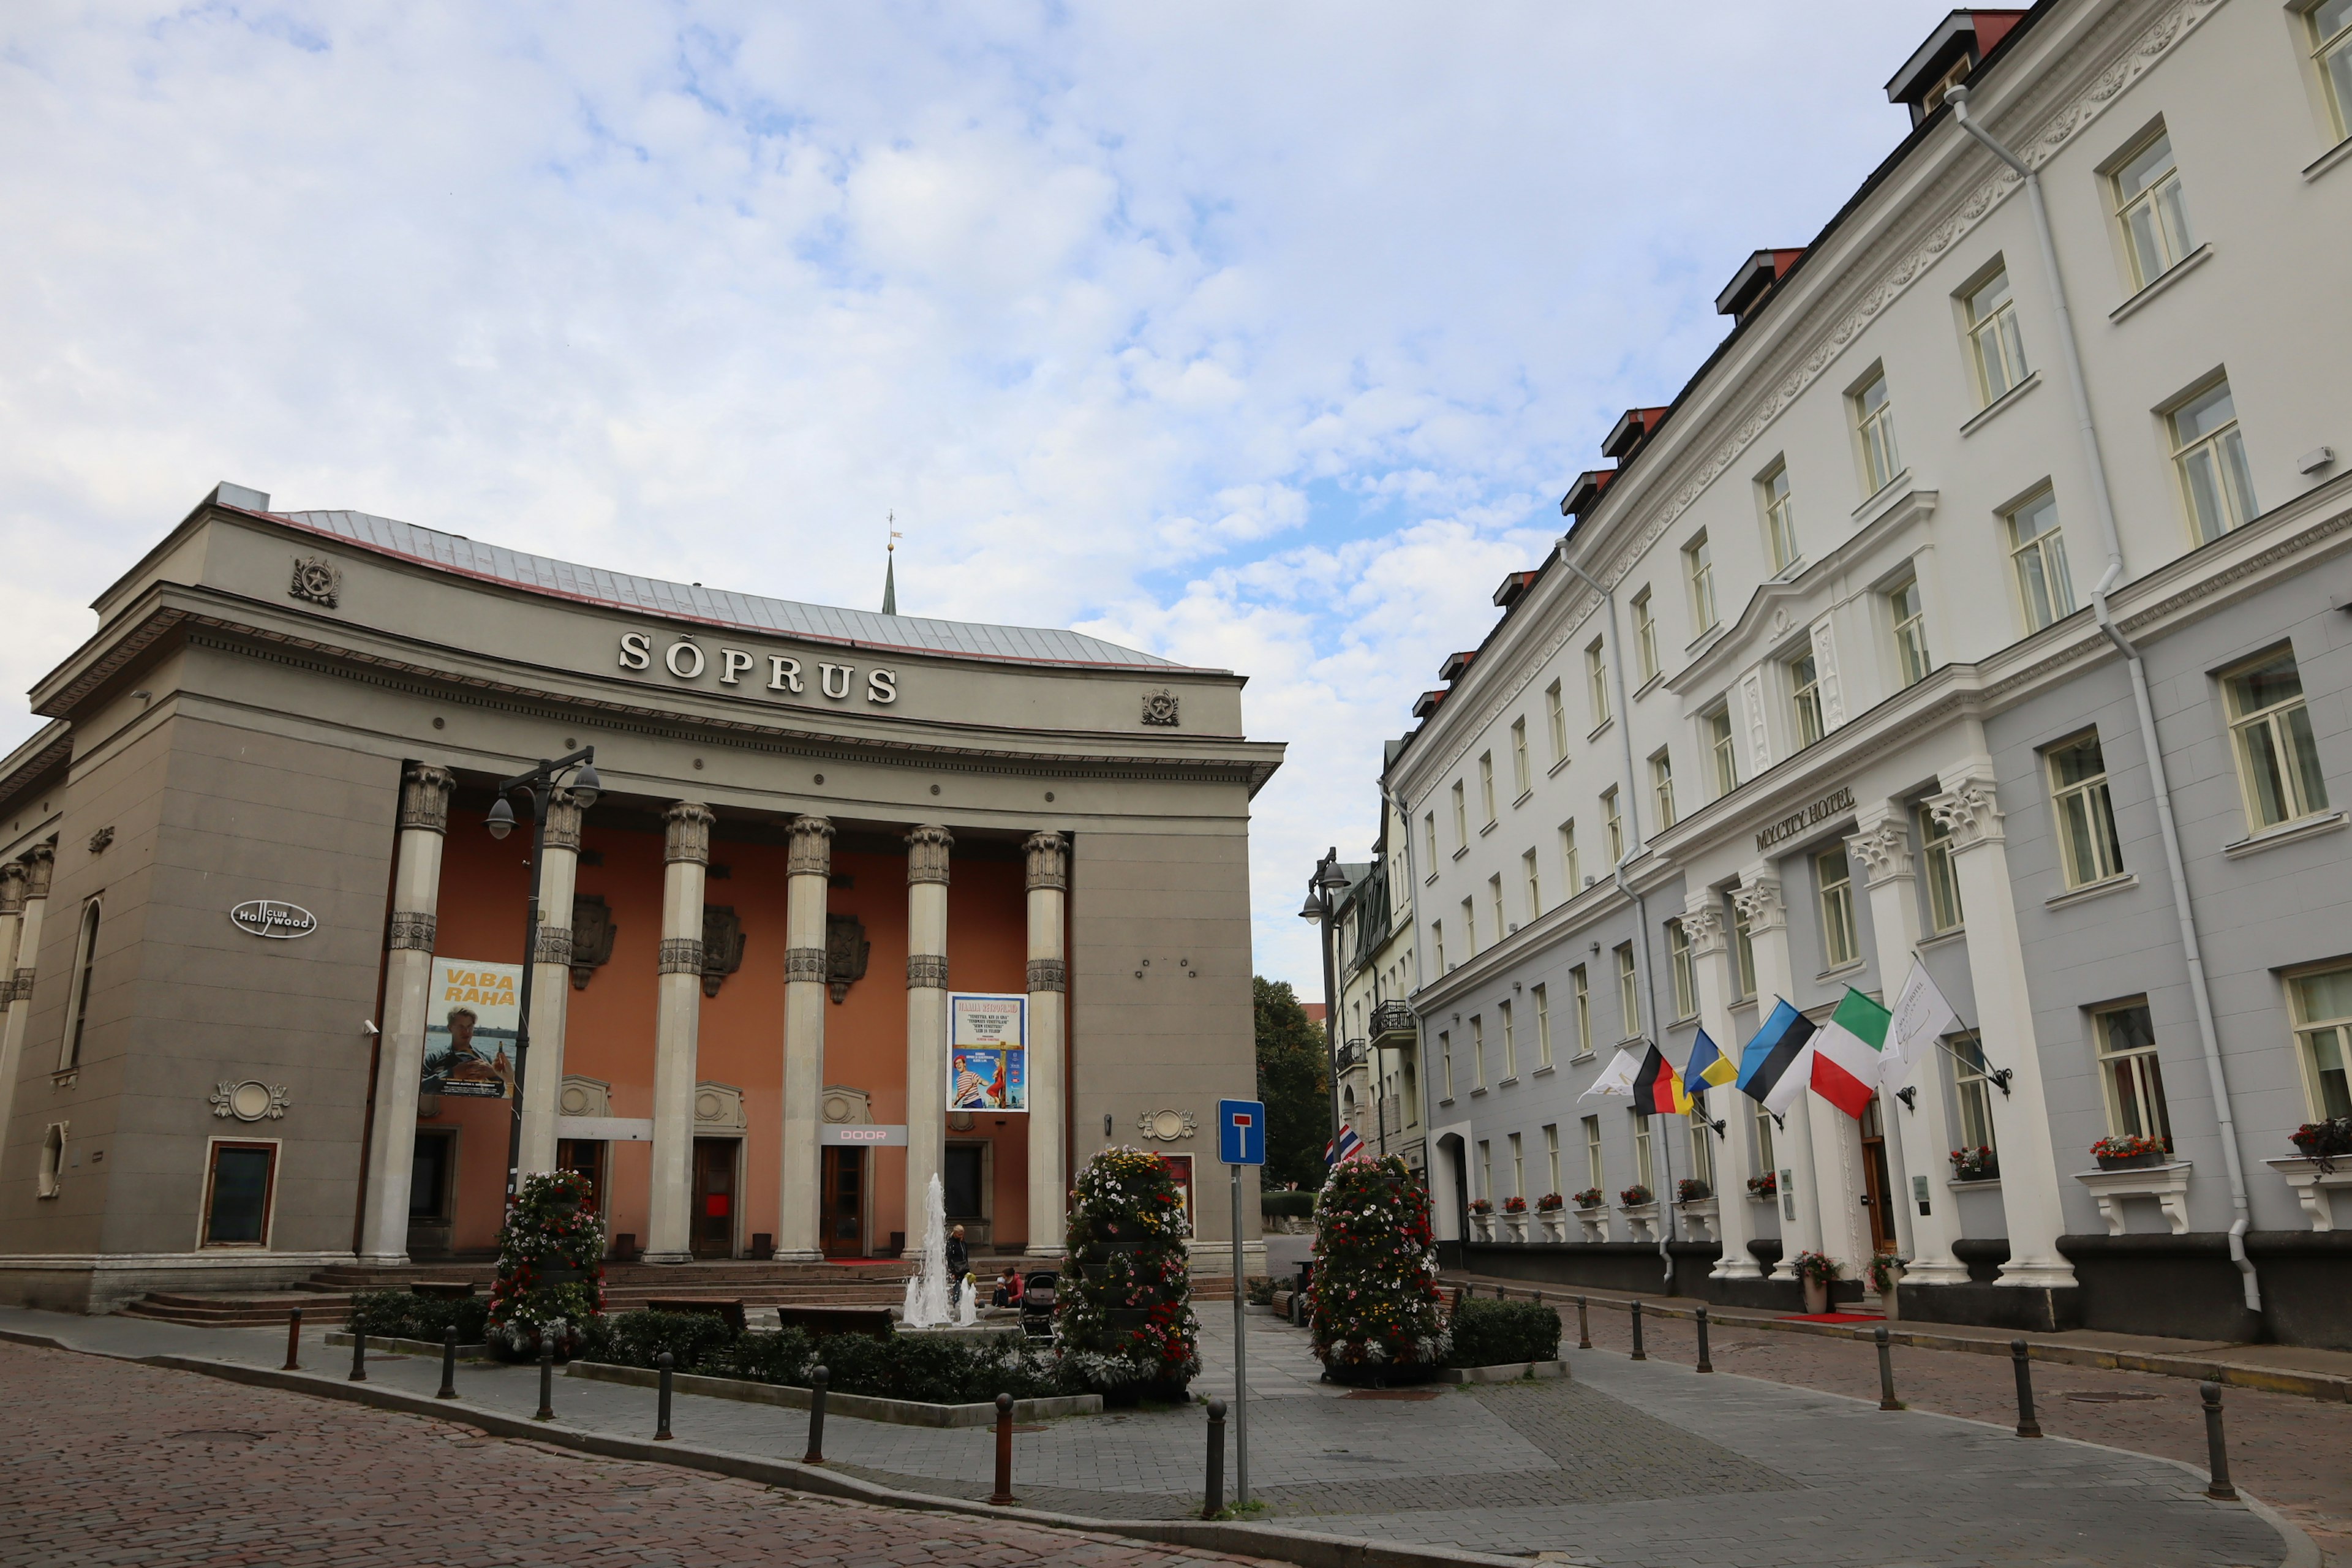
(1294, 1079)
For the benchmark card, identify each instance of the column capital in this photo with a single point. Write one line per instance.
(1970, 808)
(564, 821)
(1760, 902)
(810, 852)
(1883, 847)
(926, 972)
(926, 853)
(687, 833)
(1049, 861)
(12, 887)
(411, 932)
(681, 955)
(40, 862)
(1049, 974)
(554, 945)
(1703, 922)
(424, 798)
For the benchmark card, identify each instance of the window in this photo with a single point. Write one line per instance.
(49, 1180)
(1487, 783)
(2278, 766)
(237, 1192)
(1833, 882)
(1972, 1092)
(1518, 1169)
(1743, 945)
(78, 989)
(1543, 1042)
(2210, 457)
(1445, 1061)
(1510, 1040)
(1568, 860)
(1642, 1168)
(2038, 551)
(1874, 424)
(1698, 565)
(1764, 1163)
(1556, 715)
(1996, 348)
(2331, 39)
(2131, 1074)
(1461, 817)
(2322, 1027)
(1596, 682)
(432, 1176)
(1645, 635)
(1594, 1172)
(1702, 1148)
(1469, 929)
(1779, 518)
(2085, 816)
(1478, 1052)
(1721, 752)
(1662, 786)
(1494, 893)
(1614, 824)
(1805, 690)
(2148, 205)
(1678, 953)
(1629, 993)
(1579, 990)
(1437, 943)
(1429, 832)
(1551, 1157)
(1521, 780)
(1486, 1170)
(1943, 888)
(1910, 632)
(1534, 884)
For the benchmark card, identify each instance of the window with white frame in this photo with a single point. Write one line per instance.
(1487, 784)
(1613, 822)
(2330, 22)
(1629, 993)
(1542, 996)
(1429, 830)
(1698, 568)
(1594, 1171)
(2085, 815)
(1470, 930)
(1568, 865)
(1521, 779)
(1943, 886)
(1641, 1170)
(1874, 426)
(78, 987)
(1972, 1089)
(1910, 617)
(1552, 1158)
(2155, 222)
(1437, 945)
(1510, 1040)
(1556, 716)
(1996, 347)
(1679, 953)
(1461, 817)
(1721, 753)
(1764, 1162)
(48, 1178)
(1446, 1060)
(1779, 516)
(1805, 696)
(1702, 1148)
(2131, 1074)
(1534, 884)
(1495, 897)
(1833, 883)
(1579, 993)
(1486, 1170)
(2210, 455)
(2037, 553)
(1662, 788)
(2323, 1030)
(1519, 1168)
(2278, 764)
(1477, 1051)
(1596, 681)
(1645, 635)
(1743, 949)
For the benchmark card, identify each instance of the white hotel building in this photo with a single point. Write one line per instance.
(1983, 597)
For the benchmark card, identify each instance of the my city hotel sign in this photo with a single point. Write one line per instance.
(1796, 822)
(688, 660)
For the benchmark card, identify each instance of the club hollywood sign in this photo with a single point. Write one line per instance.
(688, 659)
(270, 918)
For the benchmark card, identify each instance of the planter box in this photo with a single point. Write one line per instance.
(862, 1406)
(2147, 1161)
(1509, 1372)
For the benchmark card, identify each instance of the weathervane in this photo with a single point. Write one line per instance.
(889, 565)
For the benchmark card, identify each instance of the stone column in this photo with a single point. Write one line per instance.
(14, 876)
(800, 1205)
(2021, 1118)
(407, 1004)
(678, 1018)
(927, 1017)
(1710, 962)
(1049, 985)
(551, 987)
(1768, 935)
(1882, 848)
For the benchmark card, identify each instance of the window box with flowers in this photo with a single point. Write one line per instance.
(2321, 1168)
(1482, 1219)
(1551, 1214)
(1515, 1219)
(1977, 1164)
(2130, 1151)
(1699, 1207)
(1816, 1272)
(1639, 1204)
(1593, 1213)
(1763, 1189)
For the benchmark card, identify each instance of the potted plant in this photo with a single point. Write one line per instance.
(1482, 1218)
(1378, 1315)
(1815, 1270)
(1126, 1315)
(551, 1268)
(1885, 1273)
(1691, 1190)
(2129, 1153)
(1766, 1186)
(2325, 1142)
(1977, 1164)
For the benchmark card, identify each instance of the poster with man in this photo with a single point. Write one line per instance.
(472, 1016)
(988, 1051)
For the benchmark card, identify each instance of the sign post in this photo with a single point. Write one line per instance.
(1241, 1141)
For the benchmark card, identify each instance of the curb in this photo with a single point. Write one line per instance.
(391, 1345)
(859, 1406)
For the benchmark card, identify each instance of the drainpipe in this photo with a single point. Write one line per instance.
(1625, 888)
(2103, 507)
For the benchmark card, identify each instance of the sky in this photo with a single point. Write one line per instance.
(1264, 337)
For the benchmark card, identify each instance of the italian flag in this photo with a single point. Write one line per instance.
(1849, 1051)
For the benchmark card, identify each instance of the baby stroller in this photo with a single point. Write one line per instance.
(1037, 1305)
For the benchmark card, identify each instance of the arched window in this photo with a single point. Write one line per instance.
(78, 988)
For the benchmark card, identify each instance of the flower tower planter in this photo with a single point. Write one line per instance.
(1125, 1308)
(1379, 1316)
(551, 1268)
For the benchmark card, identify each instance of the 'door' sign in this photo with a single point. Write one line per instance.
(267, 916)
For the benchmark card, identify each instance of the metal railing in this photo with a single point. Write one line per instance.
(1393, 1018)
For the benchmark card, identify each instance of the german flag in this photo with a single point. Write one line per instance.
(1658, 1086)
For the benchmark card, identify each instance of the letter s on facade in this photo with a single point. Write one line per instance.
(882, 686)
(637, 650)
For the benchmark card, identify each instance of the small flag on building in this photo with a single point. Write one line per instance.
(1775, 1065)
(1708, 1065)
(1618, 1080)
(1658, 1088)
(1921, 1016)
(1346, 1146)
(1849, 1053)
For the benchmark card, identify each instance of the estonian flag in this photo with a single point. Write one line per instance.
(1657, 1087)
(1708, 1065)
(1775, 1065)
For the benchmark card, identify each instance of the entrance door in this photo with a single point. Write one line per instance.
(1878, 1188)
(586, 1157)
(844, 1218)
(714, 1198)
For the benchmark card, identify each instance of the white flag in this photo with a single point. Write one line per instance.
(1618, 1077)
(1920, 1017)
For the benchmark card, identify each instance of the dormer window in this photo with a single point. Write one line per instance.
(1949, 57)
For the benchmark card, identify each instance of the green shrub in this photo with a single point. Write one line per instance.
(925, 1368)
(404, 1315)
(1258, 1290)
(1498, 1334)
(636, 1338)
(1287, 1206)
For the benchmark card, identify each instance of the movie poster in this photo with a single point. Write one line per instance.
(988, 1051)
(472, 1015)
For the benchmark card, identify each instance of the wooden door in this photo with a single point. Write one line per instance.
(586, 1157)
(713, 1234)
(844, 1215)
(1878, 1187)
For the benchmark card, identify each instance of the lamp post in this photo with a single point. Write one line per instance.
(1323, 890)
(538, 789)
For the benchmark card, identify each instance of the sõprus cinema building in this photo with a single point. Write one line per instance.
(862, 899)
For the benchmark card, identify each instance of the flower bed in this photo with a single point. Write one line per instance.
(1379, 1316)
(1125, 1312)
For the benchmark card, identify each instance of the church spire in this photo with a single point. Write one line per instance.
(890, 571)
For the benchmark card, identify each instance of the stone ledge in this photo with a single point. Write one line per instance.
(862, 1406)
(1505, 1372)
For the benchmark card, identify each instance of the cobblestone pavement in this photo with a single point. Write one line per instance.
(138, 1465)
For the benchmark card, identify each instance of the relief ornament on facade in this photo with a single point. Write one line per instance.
(251, 1100)
(1167, 1126)
(1160, 707)
(317, 579)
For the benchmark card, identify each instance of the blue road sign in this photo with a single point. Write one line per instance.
(1240, 1131)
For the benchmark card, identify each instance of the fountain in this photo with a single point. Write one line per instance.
(927, 1287)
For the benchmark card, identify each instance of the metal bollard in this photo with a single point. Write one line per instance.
(1699, 1317)
(2217, 1450)
(1004, 1492)
(1583, 1326)
(1459, 1295)
(359, 1354)
(546, 1376)
(448, 1389)
(816, 1455)
(667, 1363)
(293, 1341)
(1213, 1502)
(2026, 1425)
(1639, 1354)
(1539, 1297)
(1886, 1400)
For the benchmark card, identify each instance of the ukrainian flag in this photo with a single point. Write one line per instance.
(1708, 1065)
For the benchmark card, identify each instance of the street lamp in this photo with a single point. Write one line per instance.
(538, 789)
(1323, 890)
